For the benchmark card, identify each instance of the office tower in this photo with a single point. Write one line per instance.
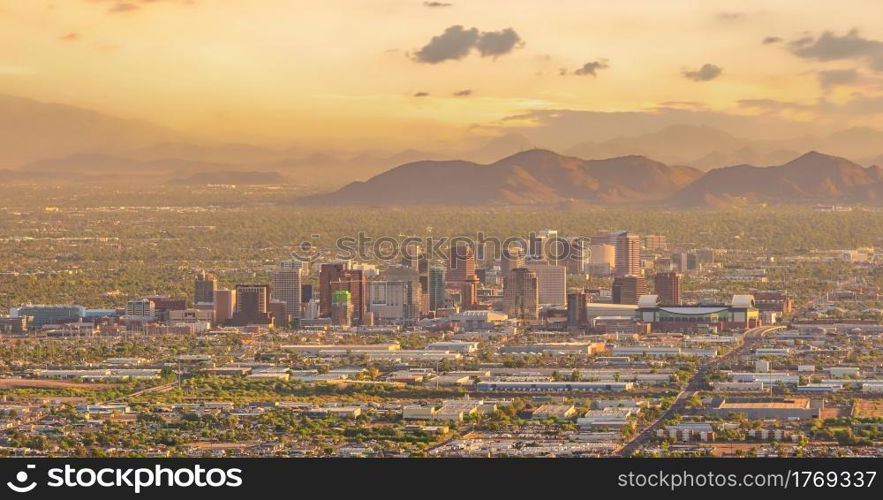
(225, 305)
(577, 315)
(287, 288)
(279, 310)
(552, 281)
(602, 259)
(411, 254)
(628, 254)
(511, 258)
(341, 308)
(306, 292)
(140, 310)
(293, 264)
(542, 245)
(655, 242)
(521, 294)
(204, 288)
(668, 288)
(252, 305)
(436, 288)
(578, 256)
(461, 263)
(469, 292)
(397, 298)
(164, 305)
(336, 277)
(628, 289)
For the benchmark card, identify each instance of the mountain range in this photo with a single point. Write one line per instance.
(541, 176)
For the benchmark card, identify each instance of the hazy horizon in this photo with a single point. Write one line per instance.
(397, 75)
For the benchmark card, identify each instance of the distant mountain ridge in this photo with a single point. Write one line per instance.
(535, 176)
(540, 176)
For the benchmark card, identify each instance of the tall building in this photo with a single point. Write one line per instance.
(469, 292)
(341, 308)
(252, 305)
(204, 288)
(668, 287)
(461, 263)
(225, 305)
(577, 314)
(628, 254)
(602, 259)
(578, 256)
(436, 288)
(511, 258)
(286, 283)
(140, 310)
(521, 294)
(628, 289)
(552, 281)
(338, 276)
(541, 245)
(655, 242)
(397, 298)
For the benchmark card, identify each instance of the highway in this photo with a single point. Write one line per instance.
(750, 339)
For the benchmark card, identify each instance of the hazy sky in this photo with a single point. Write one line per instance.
(396, 73)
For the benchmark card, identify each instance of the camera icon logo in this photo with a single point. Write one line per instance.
(21, 478)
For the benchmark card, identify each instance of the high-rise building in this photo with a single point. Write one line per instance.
(140, 310)
(577, 314)
(397, 298)
(279, 310)
(225, 305)
(511, 258)
(204, 288)
(461, 263)
(552, 281)
(521, 294)
(628, 289)
(469, 292)
(286, 283)
(252, 305)
(628, 254)
(341, 308)
(655, 242)
(578, 256)
(668, 287)
(436, 288)
(602, 259)
(338, 276)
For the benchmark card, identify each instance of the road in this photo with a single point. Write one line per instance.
(750, 339)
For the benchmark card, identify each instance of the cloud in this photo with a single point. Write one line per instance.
(498, 43)
(463, 93)
(70, 37)
(730, 16)
(832, 47)
(421, 94)
(706, 73)
(832, 78)
(771, 40)
(121, 7)
(437, 4)
(592, 67)
(457, 42)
